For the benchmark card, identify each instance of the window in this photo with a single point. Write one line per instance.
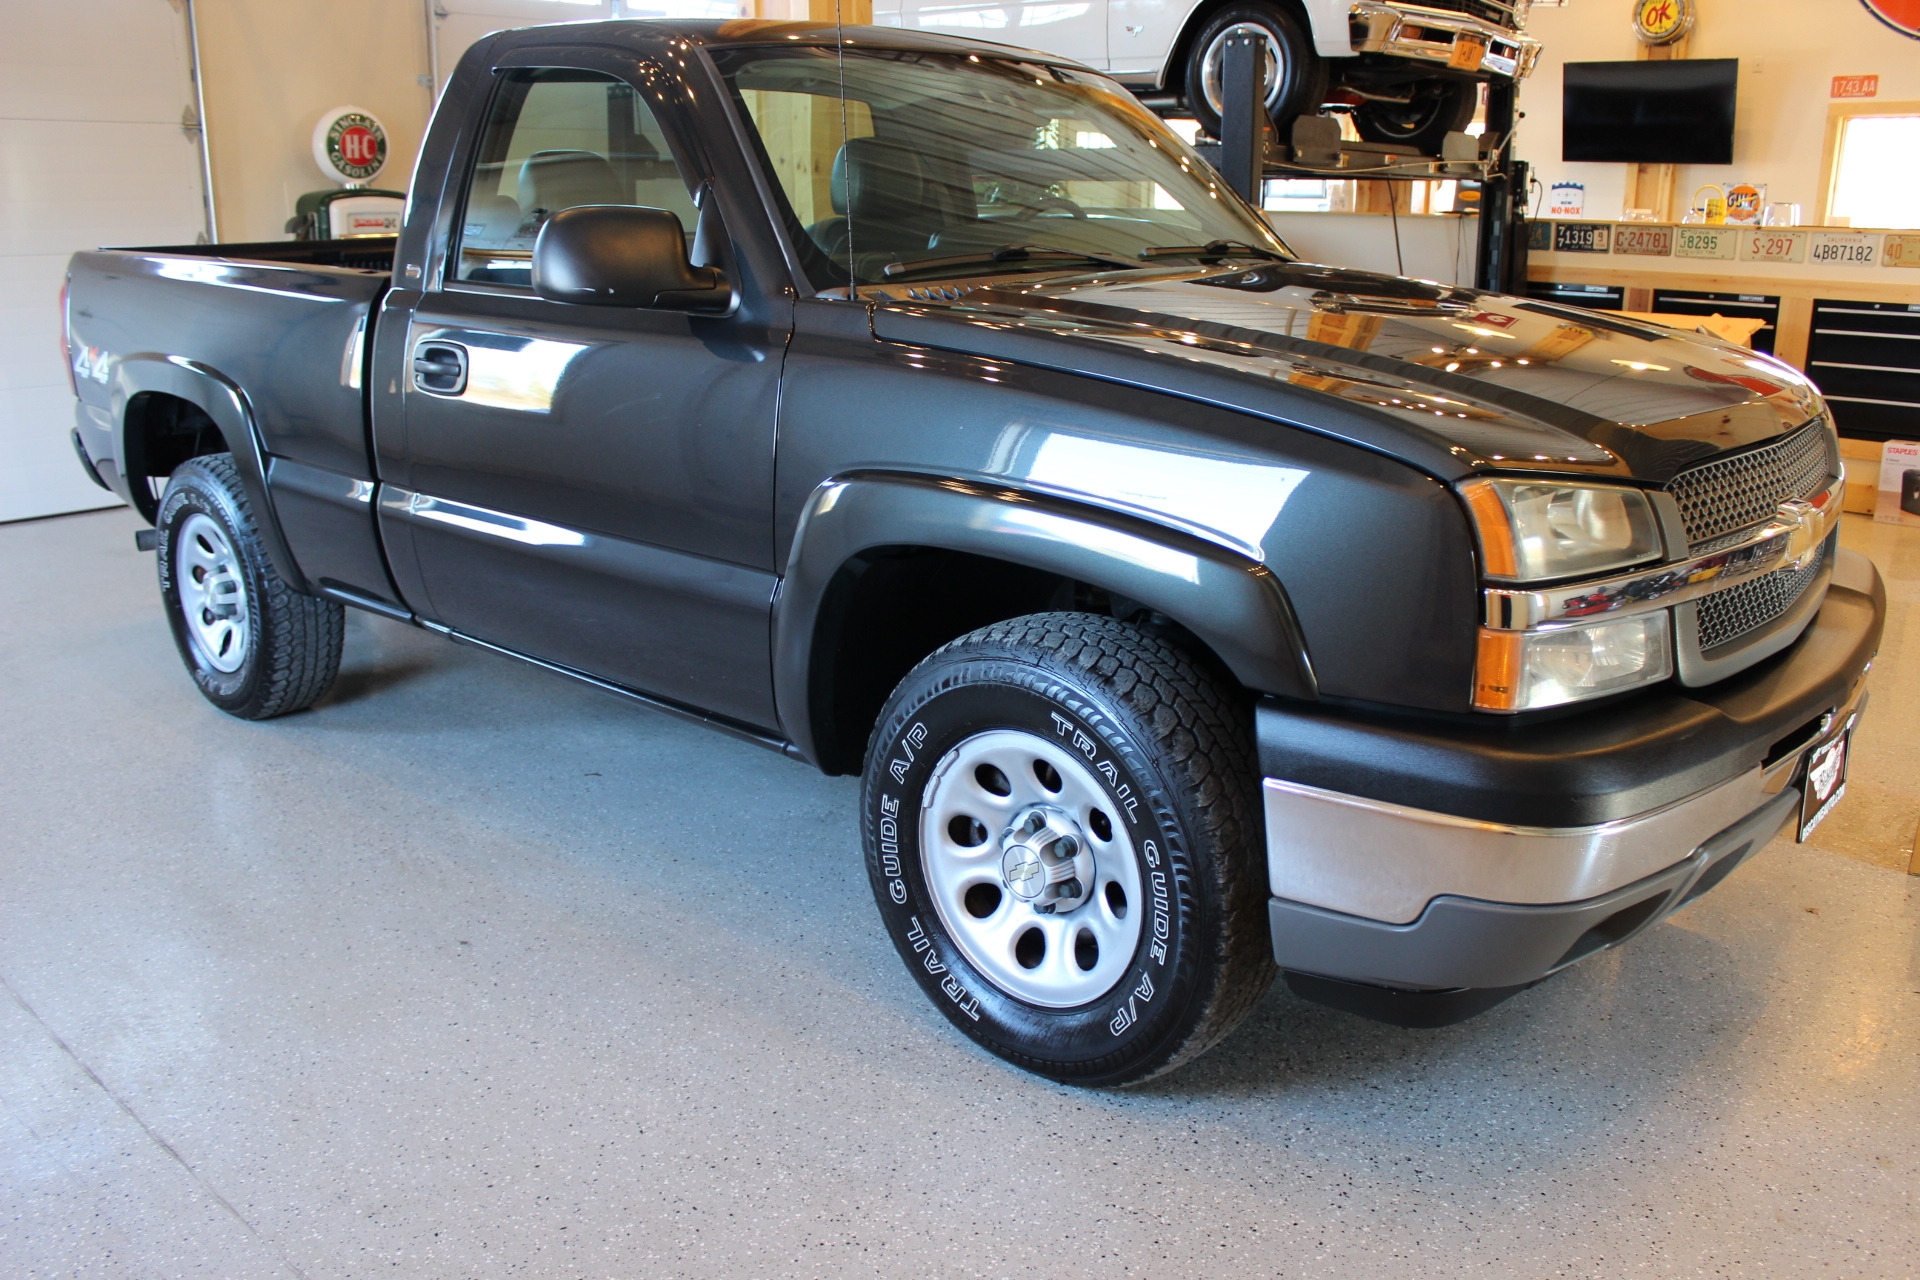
(1871, 174)
(556, 138)
(899, 167)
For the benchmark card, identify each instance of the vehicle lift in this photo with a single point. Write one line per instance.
(1248, 154)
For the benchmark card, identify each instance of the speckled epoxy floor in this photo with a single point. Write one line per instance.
(472, 972)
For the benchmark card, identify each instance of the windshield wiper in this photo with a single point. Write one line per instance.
(1214, 249)
(1005, 253)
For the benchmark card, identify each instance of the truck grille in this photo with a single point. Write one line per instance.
(1727, 615)
(1721, 497)
(1486, 10)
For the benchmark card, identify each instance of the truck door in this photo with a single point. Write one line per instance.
(589, 486)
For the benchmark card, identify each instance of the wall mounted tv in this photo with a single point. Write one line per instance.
(1672, 112)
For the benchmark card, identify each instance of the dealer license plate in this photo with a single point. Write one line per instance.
(1826, 782)
(1467, 53)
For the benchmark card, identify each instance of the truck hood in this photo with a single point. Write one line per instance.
(1453, 380)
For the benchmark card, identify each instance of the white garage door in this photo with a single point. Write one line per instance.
(91, 153)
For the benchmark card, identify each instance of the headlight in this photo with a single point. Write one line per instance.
(1522, 670)
(1537, 529)
(1520, 10)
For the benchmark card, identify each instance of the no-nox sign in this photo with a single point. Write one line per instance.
(350, 145)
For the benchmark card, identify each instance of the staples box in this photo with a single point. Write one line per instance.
(1898, 501)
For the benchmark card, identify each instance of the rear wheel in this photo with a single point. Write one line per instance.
(1437, 108)
(1295, 76)
(1062, 832)
(255, 647)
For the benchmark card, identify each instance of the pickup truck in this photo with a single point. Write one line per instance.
(1408, 73)
(923, 408)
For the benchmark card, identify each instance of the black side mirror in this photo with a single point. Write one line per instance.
(621, 255)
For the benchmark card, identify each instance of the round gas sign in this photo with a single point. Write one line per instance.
(1902, 15)
(1662, 21)
(350, 145)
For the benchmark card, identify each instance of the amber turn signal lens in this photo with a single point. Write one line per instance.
(1496, 533)
(1496, 668)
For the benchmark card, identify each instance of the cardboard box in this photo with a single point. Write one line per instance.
(1860, 463)
(1898, 501)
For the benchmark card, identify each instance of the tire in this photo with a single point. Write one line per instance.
(1296, 75)
(256, 647)
(1439, 107)
(1102, 918)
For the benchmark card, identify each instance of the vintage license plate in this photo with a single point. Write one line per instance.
(1581, 237)
(1467, 53)
(1653, 242)
(1826, 782)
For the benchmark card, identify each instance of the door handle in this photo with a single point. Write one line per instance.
(440, 368)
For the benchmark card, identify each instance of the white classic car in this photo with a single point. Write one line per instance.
(1410, 72)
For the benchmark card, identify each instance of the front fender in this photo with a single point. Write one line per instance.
(1233, 603)
(222, 401)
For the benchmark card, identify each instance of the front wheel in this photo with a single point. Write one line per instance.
(255, 647)
(1061, 827)
(1435, 109)
(1295, 75)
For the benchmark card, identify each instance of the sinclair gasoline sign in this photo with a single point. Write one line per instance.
(350, 145)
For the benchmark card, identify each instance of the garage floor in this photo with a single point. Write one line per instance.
(471, 972)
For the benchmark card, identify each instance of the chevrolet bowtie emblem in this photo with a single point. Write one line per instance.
(1803, 530)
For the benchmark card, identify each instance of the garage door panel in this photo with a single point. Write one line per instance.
(93, 60)
(30, 321)
(111, 183)
(42, 476)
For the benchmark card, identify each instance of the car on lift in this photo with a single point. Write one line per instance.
(1410, 73)
(927, 410)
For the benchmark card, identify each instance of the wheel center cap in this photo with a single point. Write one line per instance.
(1045, 860)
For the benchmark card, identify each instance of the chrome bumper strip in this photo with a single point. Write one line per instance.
(1410, 31)
(1787, 541)
(1386, 862)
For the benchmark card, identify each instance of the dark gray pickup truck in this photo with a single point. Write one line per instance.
(924, 408)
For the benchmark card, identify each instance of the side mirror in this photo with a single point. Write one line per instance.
(620, 255)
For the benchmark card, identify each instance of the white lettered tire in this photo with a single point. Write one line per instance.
(1061, 825)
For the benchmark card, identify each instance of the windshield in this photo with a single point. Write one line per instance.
(942, 164)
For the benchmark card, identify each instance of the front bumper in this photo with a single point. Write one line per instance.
(1431, 35)
(1451, 858)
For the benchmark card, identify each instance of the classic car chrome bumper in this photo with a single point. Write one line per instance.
(1431, 35)
(1397, 896)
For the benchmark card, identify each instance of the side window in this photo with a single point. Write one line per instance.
(556, 138)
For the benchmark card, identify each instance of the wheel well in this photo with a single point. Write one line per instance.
(163, 431)
(889, 607)
(1201, 15)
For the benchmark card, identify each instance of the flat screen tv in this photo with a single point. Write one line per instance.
(1674, 112)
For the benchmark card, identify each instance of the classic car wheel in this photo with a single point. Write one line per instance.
(256, 647)
(1296, 76)
(1437, 108)
(1061, 827)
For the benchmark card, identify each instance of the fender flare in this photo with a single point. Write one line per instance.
(1231, 601)
(225, 403)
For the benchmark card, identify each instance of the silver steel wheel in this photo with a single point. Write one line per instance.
(1031, 870)
(213, 593)
(1213, 65)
